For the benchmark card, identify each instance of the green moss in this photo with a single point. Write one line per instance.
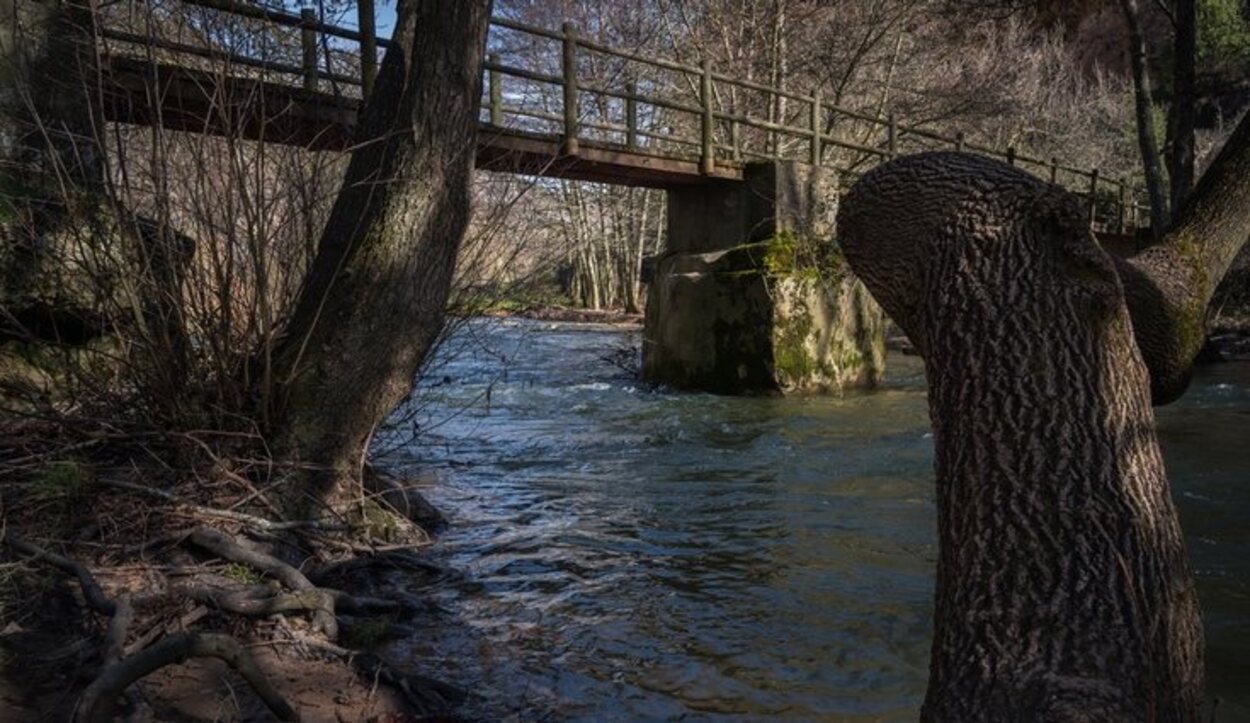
(1191, 320)
(791, 358)
(781, 253)
(63, 481)
(241, 573)
(786, 254)
(378, 522)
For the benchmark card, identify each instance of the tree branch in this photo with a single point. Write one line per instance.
(1169, 286)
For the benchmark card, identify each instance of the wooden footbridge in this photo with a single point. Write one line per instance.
(555, 104)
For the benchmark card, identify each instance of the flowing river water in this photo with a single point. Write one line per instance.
(626, 553)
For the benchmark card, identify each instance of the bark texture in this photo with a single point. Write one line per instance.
(374, 301)
(1170, 284)
(1063, 590)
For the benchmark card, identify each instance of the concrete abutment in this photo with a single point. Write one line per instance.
(752, 295)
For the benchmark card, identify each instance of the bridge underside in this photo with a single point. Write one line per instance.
(197, 101)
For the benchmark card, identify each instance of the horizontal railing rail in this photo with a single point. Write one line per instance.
(685, 118)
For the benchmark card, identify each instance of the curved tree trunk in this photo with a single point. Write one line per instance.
(1063, 590)
(374, 301)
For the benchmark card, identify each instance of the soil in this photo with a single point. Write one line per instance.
(92, 519)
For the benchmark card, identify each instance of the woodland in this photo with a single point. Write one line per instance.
(206, 339)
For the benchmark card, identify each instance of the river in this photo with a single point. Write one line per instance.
(626, 553)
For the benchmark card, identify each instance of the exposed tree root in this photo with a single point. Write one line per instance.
(258, 602)
(99, 699)
(221, 545)
(140, 636)
(119, 624)
(259, 523)
(91, 591)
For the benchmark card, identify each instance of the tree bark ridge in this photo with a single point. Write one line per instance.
(1063, 590)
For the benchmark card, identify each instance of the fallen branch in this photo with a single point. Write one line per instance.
(100, 698)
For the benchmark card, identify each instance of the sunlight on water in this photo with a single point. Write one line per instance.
(629, 553)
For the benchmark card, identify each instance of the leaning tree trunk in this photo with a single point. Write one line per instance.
(1063, 588)
(1144, 104)
(374, 300)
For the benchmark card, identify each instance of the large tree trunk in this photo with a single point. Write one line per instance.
(1063, 590)
(374, 301)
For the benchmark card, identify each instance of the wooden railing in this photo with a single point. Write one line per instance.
(635, 110)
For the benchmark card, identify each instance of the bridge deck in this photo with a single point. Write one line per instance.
(186, 99)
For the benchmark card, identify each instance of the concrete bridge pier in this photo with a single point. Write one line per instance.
(752, 295)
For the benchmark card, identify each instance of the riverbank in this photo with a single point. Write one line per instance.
(610, 548)
(571, 315)
(150, 576)
(1228, 340)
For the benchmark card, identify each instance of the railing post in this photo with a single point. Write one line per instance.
(365, 20)
(496, 92)
(308, 42)
(708, 161)
(631, 115)
(1121, 207)
(959, 141)
(1093, 197)
(1054, 170)
(735, 139)
(892, 136)
(817, 124)
(571, 130)
(1011, 155)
